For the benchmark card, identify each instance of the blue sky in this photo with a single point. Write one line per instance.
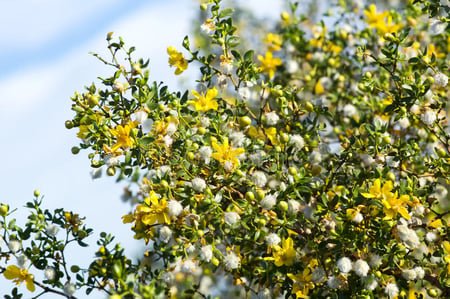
(44, 46)
(39, 34)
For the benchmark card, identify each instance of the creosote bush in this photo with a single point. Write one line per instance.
(315, 165)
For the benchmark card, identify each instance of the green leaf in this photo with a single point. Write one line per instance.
(186, 43)
(404, 33)
(390, 108)
(414, 60)
(226, 13)
(82, 244)
(248, 56)
(236, 54)
(146, 140)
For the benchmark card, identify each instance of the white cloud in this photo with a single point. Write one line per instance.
(34, 23)
(265, 8)
(22, 91)
(26, 89)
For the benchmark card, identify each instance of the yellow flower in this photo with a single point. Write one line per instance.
(354, 214)
(318, 88)
(264, 134)
(285, 18)
(271, 133)
(388, 26)
(446, 247)
(376, 191)
(122, 134)
(432, 49)
(274, 42)
(83, 131)
(269, 64)
(19, 275)
(336, 190)
(373, 17)
(302, 283)
(225, 153)
(284, 255)
(394, 205)
(381, 21)
(412, 291)
(177, 60)
(436, 224)
(205, 102)
(448, 44)
(332, 47)
(153, 210)
(73, 220)
(256, 133)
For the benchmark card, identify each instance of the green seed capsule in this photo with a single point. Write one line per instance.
(75, 150)
(244, 121)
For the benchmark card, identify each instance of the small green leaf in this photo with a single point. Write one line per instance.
(186, 43)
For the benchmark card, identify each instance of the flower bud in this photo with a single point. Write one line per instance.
(82, 234)
(92, 100)
(4, 208)
(284, 137)
(292, 171)
(36, 193)
(75, 150)
(261, 221)
(432, 293)
(102, 250)
(215, 261)
(411, 21)
(283, 205)
(201, 131)
(316, 170)
(111, 171)
(389, 37)
(244, 121)
(309, 106)
(441, 152)
(332, 62)
(250, 196)
(391, 176)
(190, 155)
(285, 16)
(68, 124)
(77, 108)
(260, 194)
(164, 184)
